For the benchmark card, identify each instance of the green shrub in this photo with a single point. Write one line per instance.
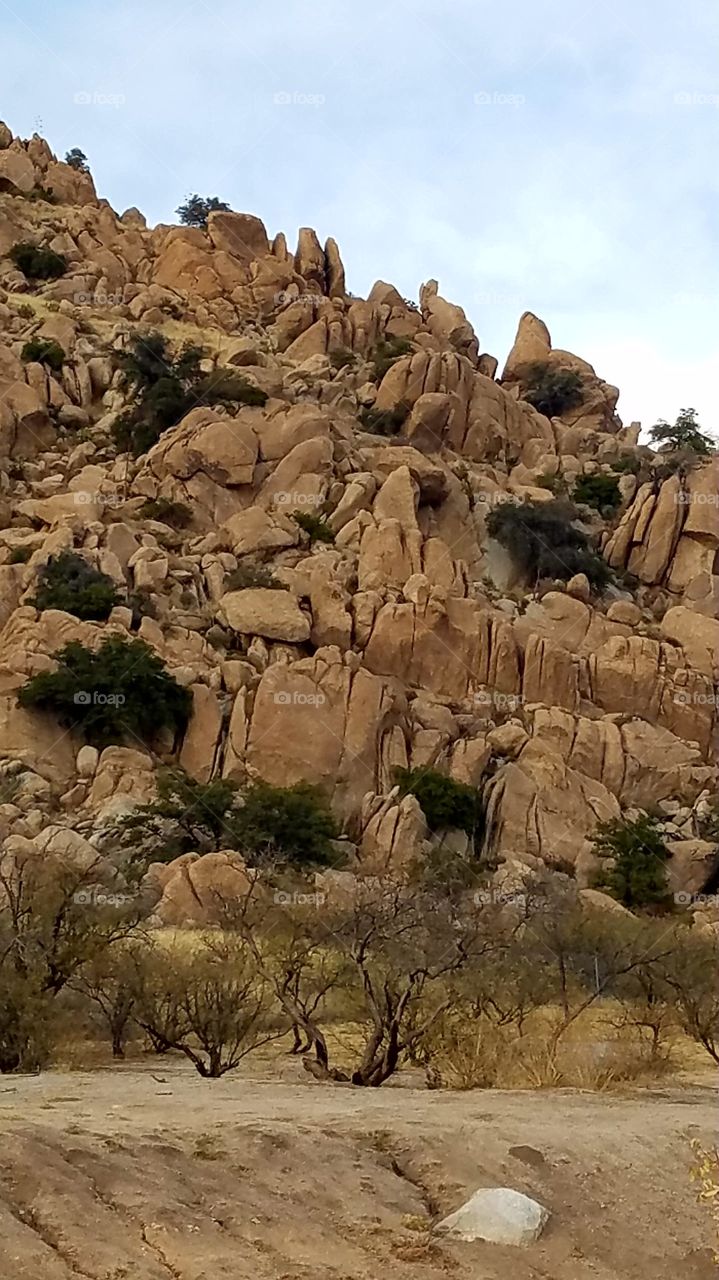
(552, 391)
(44, 351)
(684, 434)
(77, 160)
(627, 464)
(177, 514)
(20, 555)
(316, 527)
(292, 823)
(384, 422)
(446, 804)
(249, 575)
(260, 821)
(36, 263)
(555, 483)
(197, 209)
(167, 387)
(342, 358)
(121, 692)
(543, 542)
(224, 386)
(187, 817)
(599, 491)
(637, 874)
(386, 353)
(68, 582)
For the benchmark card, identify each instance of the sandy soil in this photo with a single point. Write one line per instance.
(150, 1173)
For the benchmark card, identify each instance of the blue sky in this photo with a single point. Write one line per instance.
(550, 155)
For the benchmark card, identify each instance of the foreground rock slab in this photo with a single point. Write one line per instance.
(499, 1216)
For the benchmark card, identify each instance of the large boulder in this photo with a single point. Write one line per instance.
(262, 611)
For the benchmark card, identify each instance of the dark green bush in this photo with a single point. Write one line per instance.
(121, 692)
(342, 358)
(384, 422)
(637, 874)
(77, 160)
(197, 209)
(599, 491)
(556, 484)
(386, 353)
(44, 351)
(543, 542)
(177, 514)
(167, 387)
(627, 464)
(68, 582)
(552, 391)
(20, 555)
(684, 434)
(260, 821)
(446, 804)
(316, 527)
(293, 823)
(224, 386)
(36, 263)
(250, 574)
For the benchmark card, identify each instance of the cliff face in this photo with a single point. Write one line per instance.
(410, 639)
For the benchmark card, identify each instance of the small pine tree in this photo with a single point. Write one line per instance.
(684, 434)
(197, 209)
(77, 160)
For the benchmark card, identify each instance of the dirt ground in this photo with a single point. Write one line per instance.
(147, 1172)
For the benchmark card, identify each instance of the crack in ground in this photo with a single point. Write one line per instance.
(29, 1217)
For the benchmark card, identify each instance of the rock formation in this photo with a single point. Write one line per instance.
(404, 638)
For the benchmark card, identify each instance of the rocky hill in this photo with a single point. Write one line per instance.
(386, 628)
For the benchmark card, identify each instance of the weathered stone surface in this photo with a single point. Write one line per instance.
(260, 611)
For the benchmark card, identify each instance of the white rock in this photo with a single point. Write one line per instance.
(86, 762)
(498, 1215)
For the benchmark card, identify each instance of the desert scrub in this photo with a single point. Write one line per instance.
(446, 804)
(43, 351)
(252, 575)
(598, 491)
(384, 422)
(544, 543)
(177, 514)
(69, 583)
(316, 527)
(552, 391)
(37, 263)
(120, 692)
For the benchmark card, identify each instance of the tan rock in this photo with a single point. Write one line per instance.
(261, 611)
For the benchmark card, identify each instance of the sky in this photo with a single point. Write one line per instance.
(557, 156)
